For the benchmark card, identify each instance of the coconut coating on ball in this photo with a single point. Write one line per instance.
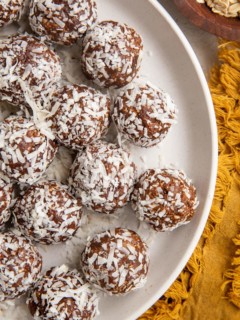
(25, 152)
(47, 213)
(62, 21)
(29, 70)
(116, 261)
(10, 11)
(62, 294)
(103, 176)
(112, 54)
(82, 115)
(143, 114)
(166, 199)
(20, 265)
(6, 200)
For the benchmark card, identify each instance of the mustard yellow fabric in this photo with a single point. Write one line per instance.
(209, 286)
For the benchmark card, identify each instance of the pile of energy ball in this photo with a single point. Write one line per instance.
(103, 176)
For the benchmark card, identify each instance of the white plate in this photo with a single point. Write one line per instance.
(170, 63)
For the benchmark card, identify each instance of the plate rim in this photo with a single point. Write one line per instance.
(214, 163)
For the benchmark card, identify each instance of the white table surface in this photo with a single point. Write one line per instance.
(203, 43)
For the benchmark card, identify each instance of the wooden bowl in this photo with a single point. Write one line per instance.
(203, 17)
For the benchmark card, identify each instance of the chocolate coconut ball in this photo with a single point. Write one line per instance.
(10, 11)
(62, 21)
(25, 152)
(20, 265)
(116, 261)
(166, 199)
(82, 115)
(47, 213)
(6, 200)
(102, 176)
(62, 294)
(112, 54)
(143, 114)
(29, 71)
